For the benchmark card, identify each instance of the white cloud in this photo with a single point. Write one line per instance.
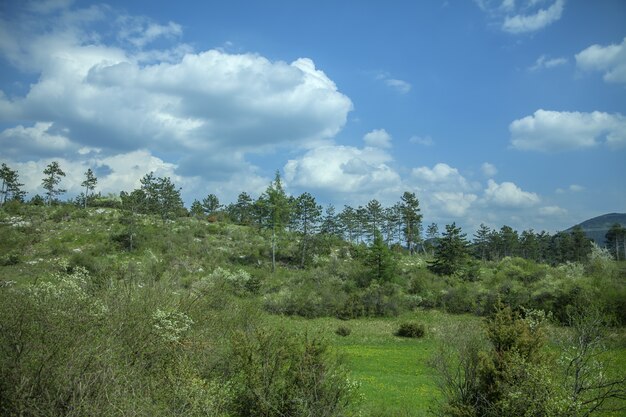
(454, 203)
(558, 131)
(507, 194)
(378, 138)
(441, 174)
(552, 211)
(422, 140)
(523, 23)
(338, 170)
(123, 97)
(544, 62)
(576, 188)
(523, 16)
(489, 170)
(610, 59)
(400, 86)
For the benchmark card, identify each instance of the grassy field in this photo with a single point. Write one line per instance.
(393, 372)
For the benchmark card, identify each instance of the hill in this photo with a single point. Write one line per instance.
(597, 227)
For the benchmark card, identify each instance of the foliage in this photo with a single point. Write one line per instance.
(53, 174)
(410, 329)
(451, 253)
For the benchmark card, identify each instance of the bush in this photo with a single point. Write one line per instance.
(343, 331)
(410, 329)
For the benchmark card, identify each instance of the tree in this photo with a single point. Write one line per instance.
(581, 244)
(161, 196)
(241, 211)
(374, 216)
(349, 223)
(10, 188)
(509, 241)
(481, 242)
(412, 220)
(616, 237)
(211, 204)
(196, 209)
(89, 184)
(451, 254)
(432, 236)
(53, 174)
(330, 223)
(307, 215)
(274, 212)
(380, 259)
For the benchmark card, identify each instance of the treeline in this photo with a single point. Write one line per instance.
(399, 224)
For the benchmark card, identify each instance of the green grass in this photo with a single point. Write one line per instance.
(393, 372)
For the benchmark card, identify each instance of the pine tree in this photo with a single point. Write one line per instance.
(53, 174)
(412, 220)
(211, 204)
(274, 212)
(481, 242)
(10, 188)
(89, 184)
(451, 254)
(306, 216)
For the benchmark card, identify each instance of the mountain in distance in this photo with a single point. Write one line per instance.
(597, 227)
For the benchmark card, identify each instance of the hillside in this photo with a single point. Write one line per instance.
(597, 227)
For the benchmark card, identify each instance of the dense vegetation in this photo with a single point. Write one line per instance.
(131, 304)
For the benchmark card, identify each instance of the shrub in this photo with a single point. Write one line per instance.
(343, 331)
(410, 329)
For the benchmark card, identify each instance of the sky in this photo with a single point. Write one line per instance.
(497, 112)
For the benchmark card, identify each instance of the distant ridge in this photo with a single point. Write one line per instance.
(597, 227)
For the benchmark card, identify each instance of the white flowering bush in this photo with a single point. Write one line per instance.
(170, 326)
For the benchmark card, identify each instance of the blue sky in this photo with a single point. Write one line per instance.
(497, 112)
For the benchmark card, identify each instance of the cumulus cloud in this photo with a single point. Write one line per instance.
(441, 174)
(378, 138)
(507, 194)
(559, 131)
(489, 170)
(454, 203)
(338, 169)
(523, 16)
(545, 62)
(121, 96)
(609, 59)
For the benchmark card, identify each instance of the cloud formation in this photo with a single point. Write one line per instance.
(507, 194)
(488, 170)
(551, 131)
(525, 16)
(545, 62)
(609, 59)
(378, 138)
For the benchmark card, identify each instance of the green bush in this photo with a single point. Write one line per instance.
(410, 329)
(343, 331)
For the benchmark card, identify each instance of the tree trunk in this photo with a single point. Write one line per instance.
(273, 250)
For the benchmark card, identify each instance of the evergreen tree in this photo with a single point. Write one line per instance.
(481, 242)
(10, 188)
(509, 241)
(197, 210)
(211, 204)
(432, 235)
(307, 214)
(161, 196)
(274, 212)
(374, 217)
(241, 211)
(330, 223)
(52, 179)
(451, 254)
(530, 245)
(349, 223)
(616, 241)
(581, 245)
(412, 220)
(89, 184)
(380, 259)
